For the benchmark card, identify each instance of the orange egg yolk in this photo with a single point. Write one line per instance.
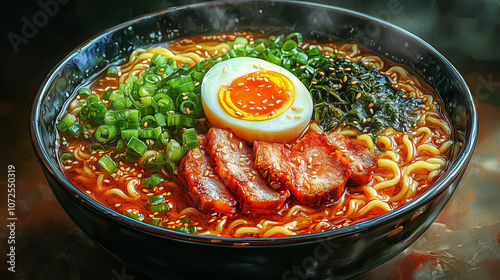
(257, 96)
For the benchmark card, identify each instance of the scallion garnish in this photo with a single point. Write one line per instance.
(107, 164)
(152, 181)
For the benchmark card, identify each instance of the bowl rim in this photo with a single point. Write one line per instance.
(454, 170)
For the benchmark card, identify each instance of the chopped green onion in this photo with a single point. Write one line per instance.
(66, 156)
(137, 145)
(136, 216)
(169, 166)
(74, 130)
(67, 121)
(129, 133)
(189, 139)
(96, 147)
(84, 92)
(106, 163)
(154, 162)
(173, 119)
(133, 118)
(112, 70)
(174, 151)
(156, 199)
(152, 181)
(159, 208)
(106, 133)
(158, 60)
(155, 221)
(189, 229)
(185, 220)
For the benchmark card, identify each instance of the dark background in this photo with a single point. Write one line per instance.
(50, 246)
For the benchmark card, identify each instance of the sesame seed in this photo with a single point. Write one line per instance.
(206, 173)
(230, 135)
(266, 79)
(244, 106)
(310, 160)
(264, 101)
(232, 146)
(270, 104)
(251, 102)
(118, 205)
(252, 178)
(241, 84)
(238, 113)
(278, 101)
(258, 108)
(289, 116)
(239, 103)
(240, 145)
(252, 108)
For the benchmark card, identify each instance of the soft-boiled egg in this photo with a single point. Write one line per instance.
(256, 99)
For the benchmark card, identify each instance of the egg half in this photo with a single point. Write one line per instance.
(256, 99)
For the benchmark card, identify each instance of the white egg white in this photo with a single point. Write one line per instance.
(284, 128)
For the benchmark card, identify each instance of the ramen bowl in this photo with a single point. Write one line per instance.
(334, 254)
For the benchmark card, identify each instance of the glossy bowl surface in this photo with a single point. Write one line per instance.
(335, 254)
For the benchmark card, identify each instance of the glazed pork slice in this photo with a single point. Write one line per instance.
(362, 162)
(273, 163)
(204, 188)
(320, 170)
(232, 161)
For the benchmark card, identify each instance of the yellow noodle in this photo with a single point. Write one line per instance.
(100, 180)
(391, 155)
(236, 223)
(281, 230)
(427, 134)
(445, 146)
(370, 60)
(393, 166)
(368, 142)
(372, 205)
(117, 192)
(384, 142)
(432, 175)
(428, 148)
(131, 187)
(221, 224)
(419, 165)
(409, 148)
(296, 209)
(436, 160)
(244, 231)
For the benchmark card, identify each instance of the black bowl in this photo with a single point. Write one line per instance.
(339, 253)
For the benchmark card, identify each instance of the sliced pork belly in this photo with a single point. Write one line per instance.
(362, 162)
(273, 162)
(320, 170)
(232, 161)
(198, 180)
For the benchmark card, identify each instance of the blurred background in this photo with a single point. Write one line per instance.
(463, 243)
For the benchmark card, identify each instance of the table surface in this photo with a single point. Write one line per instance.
(463, 242)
